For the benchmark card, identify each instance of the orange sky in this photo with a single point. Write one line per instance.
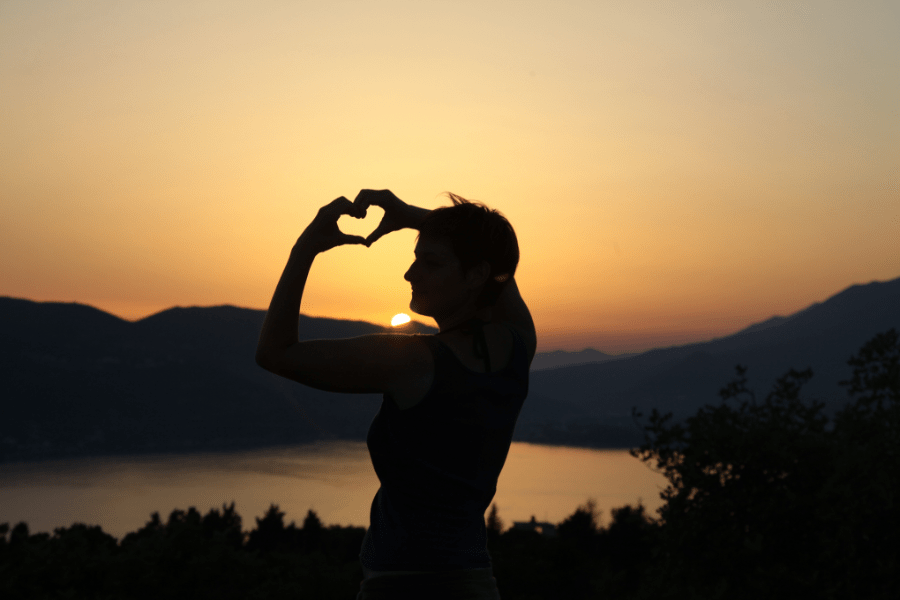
(674, 172)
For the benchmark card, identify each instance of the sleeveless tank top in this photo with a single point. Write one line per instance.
(438, 463)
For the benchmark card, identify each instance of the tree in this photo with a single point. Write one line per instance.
(19, 534)
(270, 533)
(759, 492)
(628, 536)
(313, 532)
(581, 527)
(861, 496)
(494, 523)
(876, 373)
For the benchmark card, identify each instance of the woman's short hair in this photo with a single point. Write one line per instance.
(477, 233)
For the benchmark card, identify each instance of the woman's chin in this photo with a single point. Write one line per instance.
(417, 308)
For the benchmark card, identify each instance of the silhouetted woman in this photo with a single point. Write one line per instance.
(450, 401)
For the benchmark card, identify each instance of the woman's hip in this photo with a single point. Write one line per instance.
(467, 584)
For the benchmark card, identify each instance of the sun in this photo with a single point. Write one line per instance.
(399, 319)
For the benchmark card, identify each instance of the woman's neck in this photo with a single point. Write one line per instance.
(457, 321)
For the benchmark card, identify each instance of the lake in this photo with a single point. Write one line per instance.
(335, 479)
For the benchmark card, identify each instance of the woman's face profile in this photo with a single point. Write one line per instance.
(438, 287)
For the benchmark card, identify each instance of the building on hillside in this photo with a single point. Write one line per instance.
(545, 529)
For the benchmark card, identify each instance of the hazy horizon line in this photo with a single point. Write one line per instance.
(620, 352)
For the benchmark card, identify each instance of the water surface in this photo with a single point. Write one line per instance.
(335, 479)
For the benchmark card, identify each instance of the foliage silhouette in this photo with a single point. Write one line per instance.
(765, 499)
(580, 528)
(494, 524)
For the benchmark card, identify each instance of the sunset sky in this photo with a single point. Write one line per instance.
(675, 171)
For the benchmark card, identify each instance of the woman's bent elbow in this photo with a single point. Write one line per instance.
(265, 361)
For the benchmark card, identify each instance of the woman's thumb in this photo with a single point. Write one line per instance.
(373, 237)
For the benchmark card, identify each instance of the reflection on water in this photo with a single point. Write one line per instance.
(335, 479)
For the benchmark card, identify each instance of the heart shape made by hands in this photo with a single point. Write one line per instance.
(361, 227)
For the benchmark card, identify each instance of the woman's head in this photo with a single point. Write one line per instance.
(476, 234)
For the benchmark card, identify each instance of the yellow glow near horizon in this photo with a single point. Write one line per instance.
(673, 172)
(400, 319)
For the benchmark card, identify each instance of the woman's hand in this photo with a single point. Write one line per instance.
(323, 233)
(397, 213)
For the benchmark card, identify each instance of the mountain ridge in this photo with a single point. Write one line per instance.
(81, 381)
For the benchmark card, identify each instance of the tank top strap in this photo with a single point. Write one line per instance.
(476, 326)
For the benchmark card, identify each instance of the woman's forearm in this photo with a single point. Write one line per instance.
(279, 330)
(416, 216)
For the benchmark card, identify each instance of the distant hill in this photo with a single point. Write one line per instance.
(79, 381)
(562, 358)
(594, 400)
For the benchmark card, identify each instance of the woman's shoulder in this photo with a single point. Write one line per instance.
(418, 371)
(526, 334)
(503, 334)
(501, 337)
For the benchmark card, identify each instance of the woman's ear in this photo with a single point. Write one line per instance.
(479, 274)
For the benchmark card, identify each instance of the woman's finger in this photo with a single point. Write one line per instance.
(353, 239)
(380, 198)
(364, 199)
(373, 237)
(379, 232)
(342, 206)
